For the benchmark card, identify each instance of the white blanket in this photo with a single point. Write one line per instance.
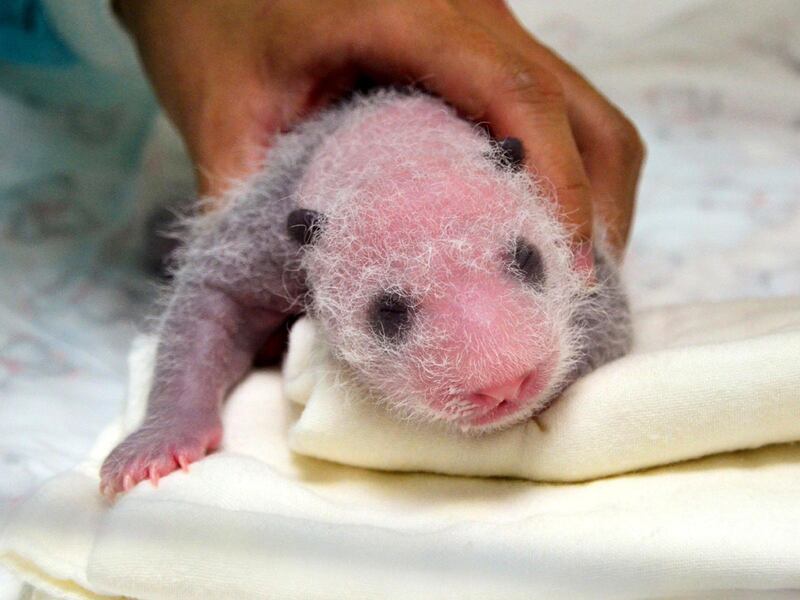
(256, 521)
(700, 380)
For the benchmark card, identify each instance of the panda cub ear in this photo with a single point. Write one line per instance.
(304, 225)
(510, 153)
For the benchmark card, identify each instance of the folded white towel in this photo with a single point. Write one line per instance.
(700, 380)
(257, 521)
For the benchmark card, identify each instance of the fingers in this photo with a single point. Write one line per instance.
(613, 157)
(232, 74)
(610, 146)
(208, 83)
(520, 100)
(224, 147)
(489, 82)
(611, 149)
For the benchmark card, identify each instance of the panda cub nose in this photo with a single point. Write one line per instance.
(509, 391)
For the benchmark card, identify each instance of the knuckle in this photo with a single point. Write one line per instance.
(576, 189)
(531, 84)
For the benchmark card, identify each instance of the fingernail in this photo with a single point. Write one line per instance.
(583, 256)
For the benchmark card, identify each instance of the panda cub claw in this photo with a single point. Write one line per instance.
(156, 450)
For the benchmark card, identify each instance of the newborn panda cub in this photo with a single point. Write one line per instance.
(434, 265)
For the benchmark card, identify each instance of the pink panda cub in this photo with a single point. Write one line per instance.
(434, 265)
(423, 228)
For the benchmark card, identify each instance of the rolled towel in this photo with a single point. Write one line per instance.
(701, 380)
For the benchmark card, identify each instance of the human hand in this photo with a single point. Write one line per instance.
(233, 73)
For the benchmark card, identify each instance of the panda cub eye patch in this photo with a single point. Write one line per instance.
(527, 264)
(390, 316)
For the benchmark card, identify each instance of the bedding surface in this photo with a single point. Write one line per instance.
(711, 84)
(254, 520)
(700, 380)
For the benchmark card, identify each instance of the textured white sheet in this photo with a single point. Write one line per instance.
(713, 86)
(256, 521)
(700, 380)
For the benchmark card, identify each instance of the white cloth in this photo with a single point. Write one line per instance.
(718, 211)
(256, 521)
(700, 380)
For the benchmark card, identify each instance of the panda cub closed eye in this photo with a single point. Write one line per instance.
(390, 316)
(527, 264)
